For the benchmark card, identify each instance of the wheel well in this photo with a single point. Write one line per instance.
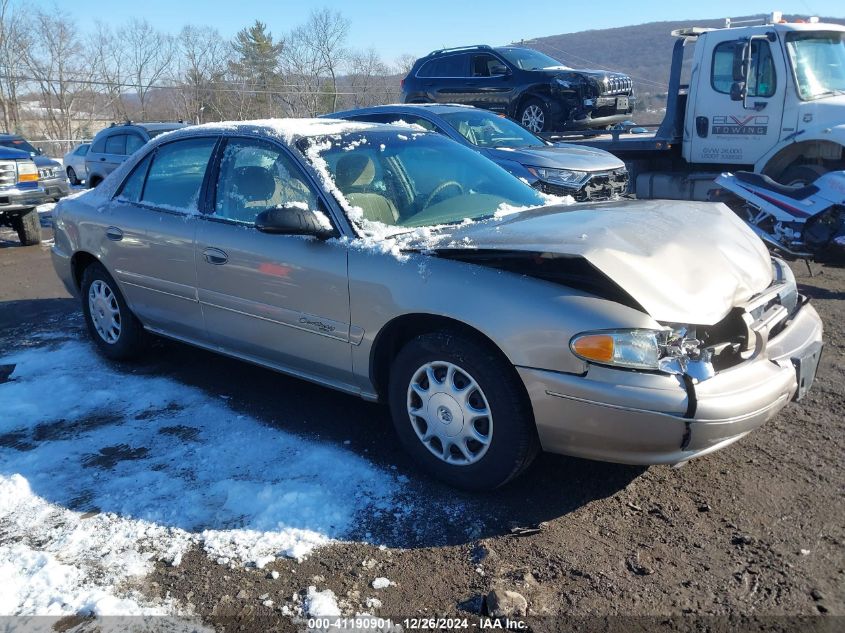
(95, 180)
(804, 153)
(78, 263)
(527, 96)
(400, 330)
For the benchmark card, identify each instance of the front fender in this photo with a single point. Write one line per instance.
(781, 155)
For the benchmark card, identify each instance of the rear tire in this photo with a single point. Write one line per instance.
(93, 181)
(71, 176)
(801, 175)
(479, 439)
(115, 330)
(28, 227)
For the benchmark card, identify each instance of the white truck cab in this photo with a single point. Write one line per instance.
(767, 97)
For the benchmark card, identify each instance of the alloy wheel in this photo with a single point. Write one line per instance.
(533, 118)
(450, 413)
(104, 311)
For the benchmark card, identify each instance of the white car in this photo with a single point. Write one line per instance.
(74, 162)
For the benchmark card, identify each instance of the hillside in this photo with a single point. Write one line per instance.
(643, 51)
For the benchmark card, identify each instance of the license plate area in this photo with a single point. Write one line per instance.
(621, 103)
(806, 367)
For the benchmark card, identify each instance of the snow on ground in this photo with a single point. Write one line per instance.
(103, 472)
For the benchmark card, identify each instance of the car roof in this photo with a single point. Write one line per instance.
(287, 130)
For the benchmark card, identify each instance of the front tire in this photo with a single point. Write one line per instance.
(115, 330)
(534, 115)
(461, 411)
(801, 175)
(28, 228)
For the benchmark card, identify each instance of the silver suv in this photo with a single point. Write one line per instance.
(112, 145)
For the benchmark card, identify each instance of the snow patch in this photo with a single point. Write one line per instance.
(115, 471)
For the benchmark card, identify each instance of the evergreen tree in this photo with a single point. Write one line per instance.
(257, 65)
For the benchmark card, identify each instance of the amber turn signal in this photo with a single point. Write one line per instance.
(595, 347)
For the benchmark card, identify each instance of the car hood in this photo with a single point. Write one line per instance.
(45, 161)
(683, 262)
(561, 155)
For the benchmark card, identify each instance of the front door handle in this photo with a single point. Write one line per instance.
(215, 256)
(114, 233)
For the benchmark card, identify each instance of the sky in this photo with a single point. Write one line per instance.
(394, 28)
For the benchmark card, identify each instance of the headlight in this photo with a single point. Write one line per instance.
(634, 349)
(565, 177)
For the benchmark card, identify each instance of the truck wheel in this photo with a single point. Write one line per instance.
(28, 227)
(534, 115)
(800, 175)
(71, 176)
(115, 330)
(459, 409)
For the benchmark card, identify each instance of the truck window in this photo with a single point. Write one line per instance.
(762, 81)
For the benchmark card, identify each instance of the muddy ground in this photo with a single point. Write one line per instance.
(757, 529)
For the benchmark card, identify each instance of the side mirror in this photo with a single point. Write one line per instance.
(499, 69)
(738, 91)
(292, 221)
(739, 61)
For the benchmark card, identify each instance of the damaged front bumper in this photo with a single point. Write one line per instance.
(654, 418)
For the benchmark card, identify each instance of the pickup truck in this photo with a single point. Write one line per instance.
(767, 98)
(20, 194)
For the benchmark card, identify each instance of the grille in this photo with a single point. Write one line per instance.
(602, 186)
(618, 85)
(8, 173)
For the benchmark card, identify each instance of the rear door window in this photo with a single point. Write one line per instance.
(175, 177)
(133, 143)
(132, 187)
(116, 144)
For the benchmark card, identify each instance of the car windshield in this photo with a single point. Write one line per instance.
(410, 179)
(162, 130)
(489, 130)
(818, 59)
(19, 143)
(528, 59)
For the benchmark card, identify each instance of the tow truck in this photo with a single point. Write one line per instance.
(766, 97)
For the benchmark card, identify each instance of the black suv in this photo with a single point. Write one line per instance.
(532, 88)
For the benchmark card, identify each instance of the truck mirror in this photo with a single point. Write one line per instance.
(738, 91)
(739, 66)
(498, 69)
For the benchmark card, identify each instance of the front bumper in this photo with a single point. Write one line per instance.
(57, 187)
(648, 418)
(14, 199)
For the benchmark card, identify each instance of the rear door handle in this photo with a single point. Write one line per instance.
(215, 256)
(114, 233)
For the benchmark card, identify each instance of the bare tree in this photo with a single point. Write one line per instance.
(368, 79)
(14, 41)
(108, 57)
(58, 67)
(404, 63)
(302, 70)
(328, 30)
(203, 57)
(148, 55)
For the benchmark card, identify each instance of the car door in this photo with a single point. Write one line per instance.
(150, 231)
(490, 84)
(113, 154)
(444, 79)
(278, 299)
(728, 131)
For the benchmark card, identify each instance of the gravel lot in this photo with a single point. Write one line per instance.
(757, 529)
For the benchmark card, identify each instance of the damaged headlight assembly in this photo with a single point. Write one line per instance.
(565, 177)
(673, 351)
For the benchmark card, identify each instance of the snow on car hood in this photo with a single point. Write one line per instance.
(560, 156)
(683, 262)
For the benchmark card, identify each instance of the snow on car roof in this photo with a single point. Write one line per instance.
(287, 130)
